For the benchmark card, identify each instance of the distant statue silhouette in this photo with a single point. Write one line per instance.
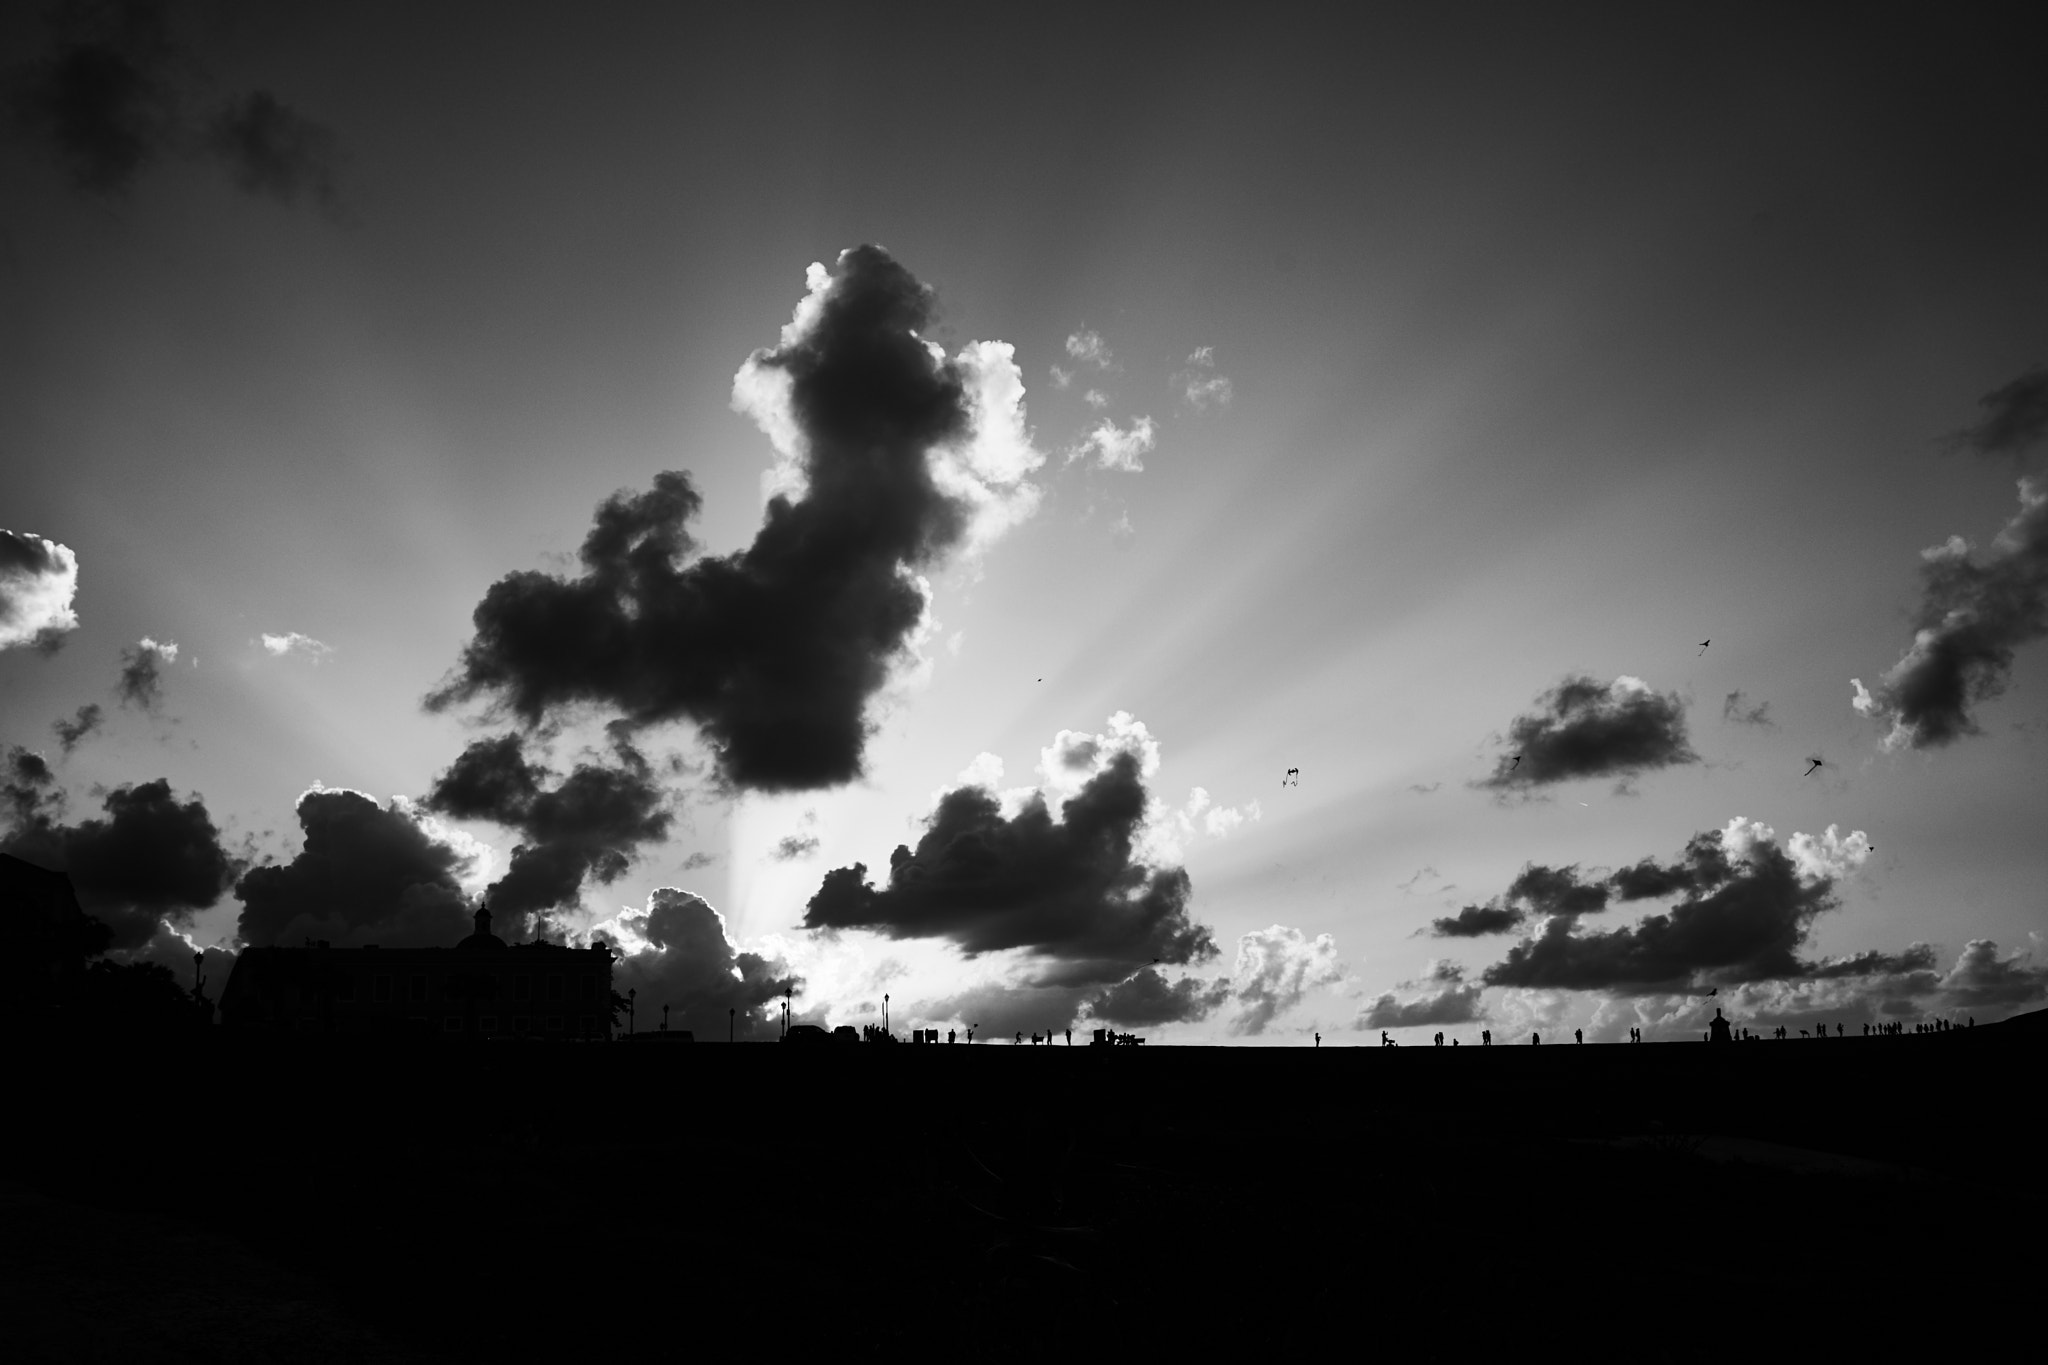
(1535, 1040)
(949, 1037)
(1717, 1029)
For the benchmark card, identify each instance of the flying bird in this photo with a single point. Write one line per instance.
(1703, 647)
(1816, 764)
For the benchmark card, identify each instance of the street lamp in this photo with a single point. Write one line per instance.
(885, 1012)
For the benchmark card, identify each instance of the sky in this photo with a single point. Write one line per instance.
(1234, 526)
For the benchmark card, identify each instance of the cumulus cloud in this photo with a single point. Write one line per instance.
(1089, 348)
(1146, 999)
(1275, 968)
(2015, 417)
(1981, 979)
(1445, 998)
(1974, 613)
(589, 826)
(148, 859)
(675, 951)
(38, 580)
(1746, 907)
(1537, 892)
(141, 683)
(365, 874)
(1060, 378)
(1474, 921)
(903, 457)
(1199, 384)
(1076, 889)
(791, 847)
(1736, 709)
(1114, 447)
(1583, 728)
(291, 642)
(71, 733)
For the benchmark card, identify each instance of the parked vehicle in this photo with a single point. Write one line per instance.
(806, 1033)
(846, 1033)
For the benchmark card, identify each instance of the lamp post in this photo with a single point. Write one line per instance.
(664, 1017)
(632, 997)
(885, 1012)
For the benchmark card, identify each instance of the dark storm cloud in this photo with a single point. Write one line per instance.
(1974, 613)
(102, 101)
(28, 788)
(691, 966)
(110, 98)
(1447, 998)
(1981, 978)
(365, 874)
(273, 150)
(1736, 710)
(148, 859)
(2015, 417)
(70, 733)
(1476, 920)
(774, 651)
(1747, 908)
(141, 682)
(589, 827)
(1070, 889)
(1555, 891)
(38, 579)
(1583, 728)
(1917, 958)
(1148, 999)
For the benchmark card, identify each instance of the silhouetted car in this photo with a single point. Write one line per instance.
(806, 1033)
(846, 1033)
(674, 1035)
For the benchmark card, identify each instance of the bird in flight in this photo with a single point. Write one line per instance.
(1703, 647)
(1816, 764)
(1294, 774)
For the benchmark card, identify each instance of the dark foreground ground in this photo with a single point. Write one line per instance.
(250, 1201)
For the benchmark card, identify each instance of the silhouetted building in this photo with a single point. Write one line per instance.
(1717, 1028)
(45, 938)
(483, 987)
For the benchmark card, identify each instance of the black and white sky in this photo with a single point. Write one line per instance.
(860, 499)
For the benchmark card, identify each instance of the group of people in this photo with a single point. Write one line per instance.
(1034, 1038)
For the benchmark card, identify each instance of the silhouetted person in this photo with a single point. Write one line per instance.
(949, 1037)
(1973, 1021)
(1385, 1041)
(1838, 1031)
(1439, 1040)
(1535, 1040)
(1020, 1035)
(1070, 1037)
(1486, 1037)
(1319, 1040)
(1579, 1034)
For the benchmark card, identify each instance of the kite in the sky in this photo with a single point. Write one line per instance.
(1295, 774)
(1816, 764)
(1516, 764)
(1703, 647)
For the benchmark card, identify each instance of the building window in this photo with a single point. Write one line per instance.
(520, 1023)
(453, 1024)
(554, 1023)
(585, 988)
(487, 1023)
(522, 987)
(345, 987)
(419, 988)
(554, 988)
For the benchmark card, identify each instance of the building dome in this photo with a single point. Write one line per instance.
(483, 937)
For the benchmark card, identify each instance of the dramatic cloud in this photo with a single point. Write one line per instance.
(1746, 908)
(1981, 979)
(1075, 889)
(1476, 920)
(1973, 615)
(1089, 348)
(38, 579)
(1446, 998)
(141, 681)
(1147, 999)
(272, 150)
(1113, 447)
(589, 827)
(1275, 968)
(675, 952)
(291, 642)
(70, 733)
(149, 859)
(1584, 728)
(365, 874)
(1199, 384)
(2015, 417)
(902, 456)
(1736, 710)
